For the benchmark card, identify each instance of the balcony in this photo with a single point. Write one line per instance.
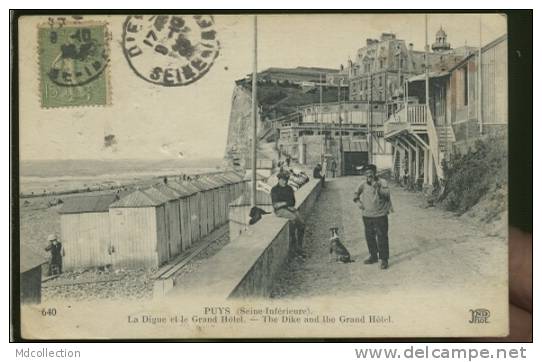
(406, 127)
(413, 118)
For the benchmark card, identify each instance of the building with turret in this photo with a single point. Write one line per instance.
(441, 44)
(466, 103)
(320, 115)
(379, 70)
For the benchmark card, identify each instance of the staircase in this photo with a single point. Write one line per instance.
(445, 137)
(396, 166)
(267, 134)
(434, 144)
(418, 118)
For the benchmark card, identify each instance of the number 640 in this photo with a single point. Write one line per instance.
(51, 312)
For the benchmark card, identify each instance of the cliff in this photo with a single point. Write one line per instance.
(274, 100)
(239, 140)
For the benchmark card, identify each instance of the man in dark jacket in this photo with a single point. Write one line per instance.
(333, 168)
(317, 173)
(55, 262)
(373, 198)
(283, 199)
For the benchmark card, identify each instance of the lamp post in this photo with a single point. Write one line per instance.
(370, 122)
(426, 68)
(341, 153)
(254, 112)
(479, 78)
(321, 126)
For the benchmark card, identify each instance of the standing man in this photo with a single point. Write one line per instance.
(283, 199)
(405, 178)
(373, 198)
(317, 173)
(333, 168)
(55, 248)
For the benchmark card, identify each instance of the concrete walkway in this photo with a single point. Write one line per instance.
(429, 249)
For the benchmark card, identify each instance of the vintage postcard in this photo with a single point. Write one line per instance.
(186, 176)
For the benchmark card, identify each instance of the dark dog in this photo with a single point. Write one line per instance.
(256, 214)
(335, 246)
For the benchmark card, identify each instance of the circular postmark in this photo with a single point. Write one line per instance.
(81, 54)
(170, 50)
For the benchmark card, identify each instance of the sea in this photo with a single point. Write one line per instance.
(39, 177)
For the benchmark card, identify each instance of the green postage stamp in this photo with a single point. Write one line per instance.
(73, 60)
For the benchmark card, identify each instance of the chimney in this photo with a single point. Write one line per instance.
(371, 41)
(410, 47)
(387, 36)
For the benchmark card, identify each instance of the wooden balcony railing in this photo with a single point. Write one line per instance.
(416, 114)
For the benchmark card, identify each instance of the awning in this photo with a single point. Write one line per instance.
(421, 77)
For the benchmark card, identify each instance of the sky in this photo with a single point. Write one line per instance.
(155, 122)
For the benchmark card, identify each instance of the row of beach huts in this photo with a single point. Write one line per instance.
(146, 227)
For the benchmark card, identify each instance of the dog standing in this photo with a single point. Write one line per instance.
(337, 248)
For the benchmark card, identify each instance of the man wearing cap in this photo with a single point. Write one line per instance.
(373, 198)
(55, 248)
(283, 199)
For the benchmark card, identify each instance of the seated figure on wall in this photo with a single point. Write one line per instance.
(283, 199)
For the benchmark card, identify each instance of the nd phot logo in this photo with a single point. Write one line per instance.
(479, 315)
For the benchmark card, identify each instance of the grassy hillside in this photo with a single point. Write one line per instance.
(478, 180)
(283, 98)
